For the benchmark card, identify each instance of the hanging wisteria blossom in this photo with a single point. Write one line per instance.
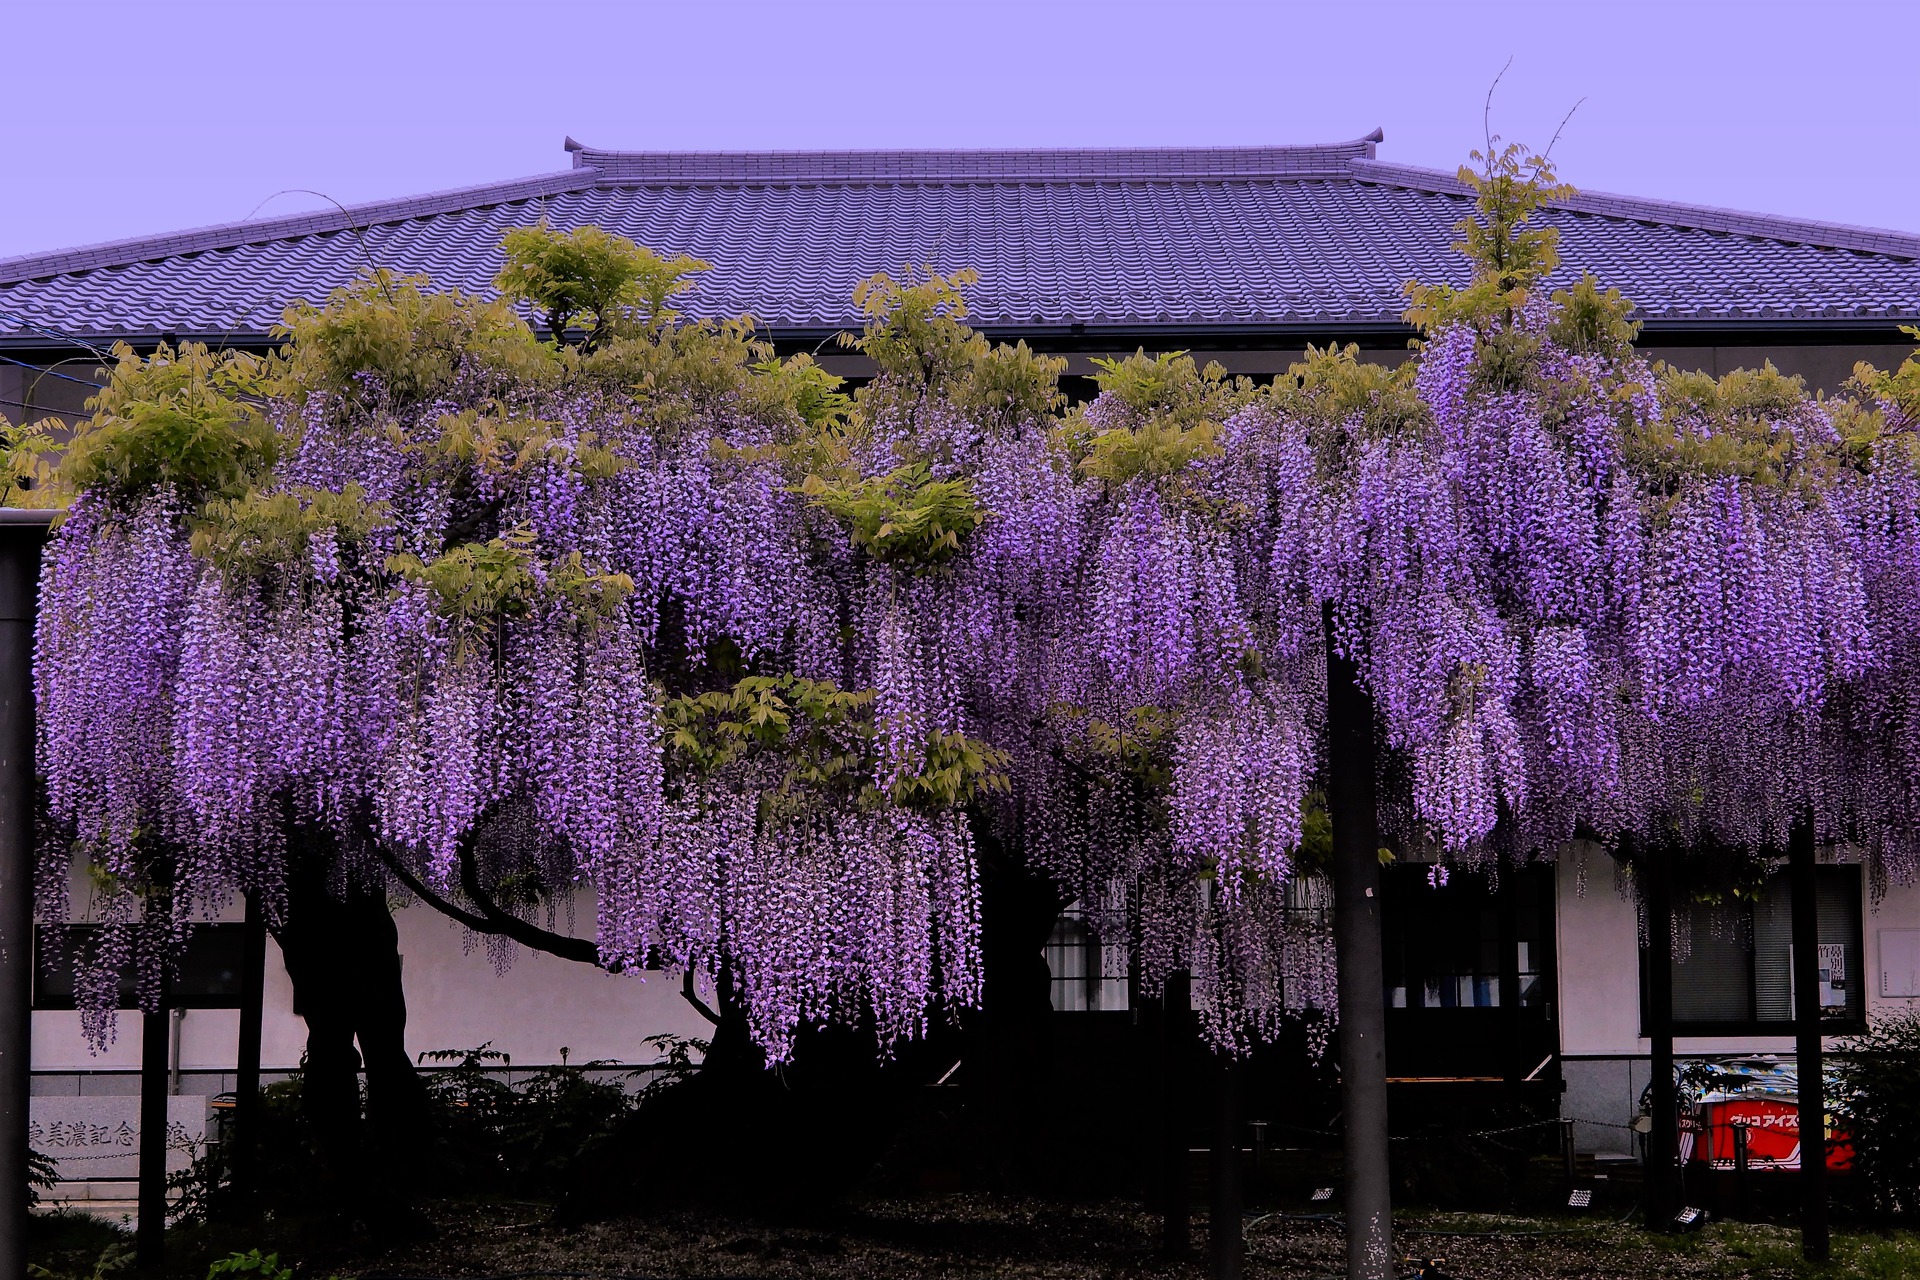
(668, 620)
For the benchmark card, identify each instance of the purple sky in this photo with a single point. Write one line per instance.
(128, 119)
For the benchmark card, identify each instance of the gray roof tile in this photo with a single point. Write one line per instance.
(1246, 236)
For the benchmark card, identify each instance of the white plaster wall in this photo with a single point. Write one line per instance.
(1899, 909)
(1605, 1059)
(1599, 968)
(455, 1000)
(1599, 957)
(540, 1004)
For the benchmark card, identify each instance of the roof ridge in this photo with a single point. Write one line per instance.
(600, 168)
(229, 235)
(1766, 226)
(963, 164)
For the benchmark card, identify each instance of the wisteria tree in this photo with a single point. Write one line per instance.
(427, 601)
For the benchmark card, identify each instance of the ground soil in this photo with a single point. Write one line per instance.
(964, 1236)
(983, 1236)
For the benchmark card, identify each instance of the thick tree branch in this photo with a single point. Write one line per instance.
(418, 889)
(511, 926)
(496, 920)
(692, 997)
(491, 918)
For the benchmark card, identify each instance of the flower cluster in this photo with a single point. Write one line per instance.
(752, 661)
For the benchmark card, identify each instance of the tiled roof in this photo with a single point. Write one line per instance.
(1248, 237)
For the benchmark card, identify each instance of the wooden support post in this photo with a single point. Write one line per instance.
(1814, 1242)
(1356, 938)
(1176, 1036)
(1663, 1139)
(22, 535)
(1226, 1200)
(244, 1140)
(149, 1236)
(1742, 1168)
(1506, 901)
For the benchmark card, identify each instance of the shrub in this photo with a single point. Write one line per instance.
(523, 1137)
(265, 1266)
(186, 418)
(1878, 1103)
(42, 1173)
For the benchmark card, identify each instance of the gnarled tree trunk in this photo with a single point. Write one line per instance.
(342, 952)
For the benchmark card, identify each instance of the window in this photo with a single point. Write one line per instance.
(1468, 971)
(1737, 977)
(208, 976)
(1443, 940)
(1089, 974)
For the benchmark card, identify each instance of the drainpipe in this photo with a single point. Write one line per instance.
(22, 535)
(179, 1016)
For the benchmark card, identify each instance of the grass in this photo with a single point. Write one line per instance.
(1773, 1253)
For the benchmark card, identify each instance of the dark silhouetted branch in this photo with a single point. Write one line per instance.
(492, 918)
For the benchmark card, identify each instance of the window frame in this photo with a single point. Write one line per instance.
(1853, 1023)
(227, 933)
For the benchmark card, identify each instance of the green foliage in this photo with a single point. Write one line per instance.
(679, 1060)
(617, 284)
(1592, 320)
(820, 727)
(689, 376)
(1315, 853)
(111, 1259)
(1139, 748)
(954, 771)
(1171, 388)
(1175, 407)
(504, 446)
(413, 339)
(1746, 423)
(266, 533)
(1900, 388)
(479, 583)
(182, 417)
(1878, 1104)
(1510, 257)
(818, 434)
(826, 738)
(813, 395)
(28, 474)
(265, 1266)
(1009, 386)
(1753, 1251)
(525, 1136)
(922, 349)
(914, 332)
(1335, 389)
(1745, 401)
(905, 517)
(42, 1173)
